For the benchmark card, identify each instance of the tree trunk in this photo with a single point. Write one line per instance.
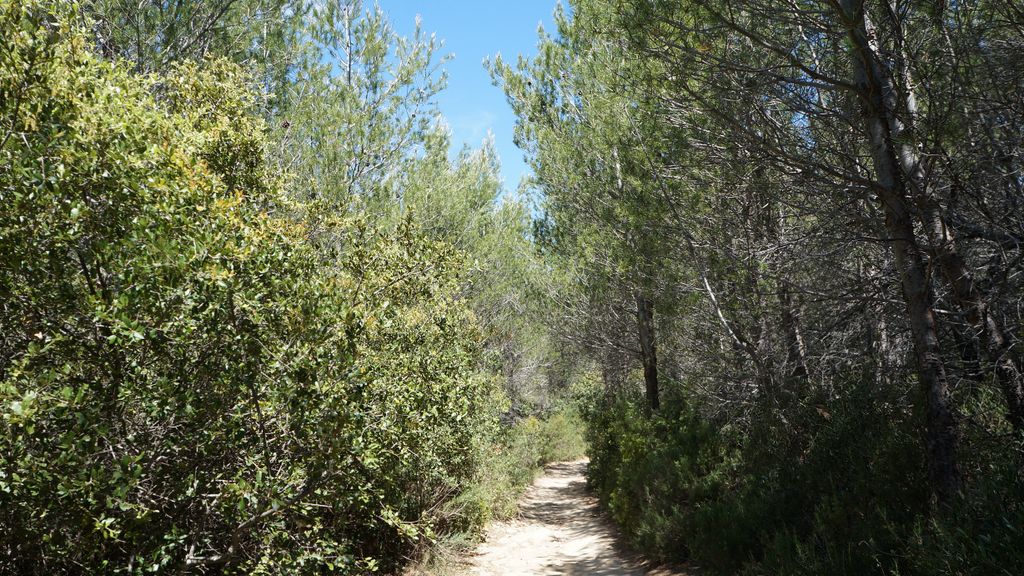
(645, 325)
(940, 425)
(796, 359)
(611, 371)
(941, 239)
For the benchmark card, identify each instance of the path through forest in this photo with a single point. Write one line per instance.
(560, 531)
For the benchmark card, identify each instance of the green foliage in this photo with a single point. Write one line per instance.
(188, 382)
(712, 158)
(510, 461)
(275, 331)
(656, 474)
(981, 532)
(360, 106)
(837, 489)
(153, 36)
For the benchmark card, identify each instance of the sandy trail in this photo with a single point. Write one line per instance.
(560, 531)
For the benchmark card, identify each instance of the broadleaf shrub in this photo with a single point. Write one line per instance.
(191, 380)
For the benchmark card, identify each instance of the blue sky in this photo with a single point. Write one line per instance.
(472, 31)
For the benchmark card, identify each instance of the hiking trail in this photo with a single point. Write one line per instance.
(560, 531)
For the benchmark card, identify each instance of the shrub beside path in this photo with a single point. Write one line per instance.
(560, 531)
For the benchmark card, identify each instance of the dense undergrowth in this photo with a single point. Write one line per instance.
(207, 365)
(836, 488)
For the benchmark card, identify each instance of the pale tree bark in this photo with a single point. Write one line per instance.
(873, 85)
(942, 242)
(611, 372)
(648, 354)
(789, 310)
(796, 357)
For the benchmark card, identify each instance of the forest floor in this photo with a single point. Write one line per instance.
(560, 531)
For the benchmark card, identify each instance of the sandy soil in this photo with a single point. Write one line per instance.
(560, 531)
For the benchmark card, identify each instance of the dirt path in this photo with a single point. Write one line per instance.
(560, 531)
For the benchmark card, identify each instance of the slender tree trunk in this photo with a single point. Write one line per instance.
(941, 239)
(881, 345)
(611, 371)
(796, 357)
(878, 341)
(973, 305)
(941, 435)
(645, 325)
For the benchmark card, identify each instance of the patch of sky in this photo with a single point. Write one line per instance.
(474, 31)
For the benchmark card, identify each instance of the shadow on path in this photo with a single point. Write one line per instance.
(560, 531)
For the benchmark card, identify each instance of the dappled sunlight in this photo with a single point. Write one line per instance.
(560, 530)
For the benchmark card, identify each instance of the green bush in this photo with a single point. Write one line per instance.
(836, 488)
(190, 379)
(654, 474)
(982, 533)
